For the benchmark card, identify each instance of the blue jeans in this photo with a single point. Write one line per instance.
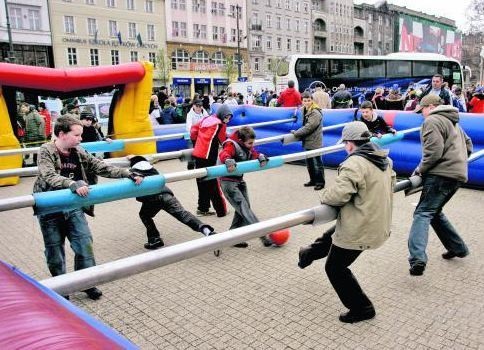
(73, 225)
(436, 192)
(315, 170)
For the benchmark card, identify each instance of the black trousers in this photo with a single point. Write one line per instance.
(172, 206)
(315, 170)
(209, 191)
(343, 280)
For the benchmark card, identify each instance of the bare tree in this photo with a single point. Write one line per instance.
(475, 16)
(163, 66)
(229, 68)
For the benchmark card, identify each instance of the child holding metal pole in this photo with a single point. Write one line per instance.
(239, 147)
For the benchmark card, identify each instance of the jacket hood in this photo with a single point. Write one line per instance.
(374, 154)
(446, 111)
(313, 106)
(223, 111)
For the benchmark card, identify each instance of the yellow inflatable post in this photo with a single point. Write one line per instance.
(131, 117)
(8, 141)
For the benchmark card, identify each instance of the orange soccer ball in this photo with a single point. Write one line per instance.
(280, 237)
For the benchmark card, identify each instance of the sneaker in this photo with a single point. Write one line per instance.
(357, 316)
(417, 268)
(309, 184)
(266, 241)
(318, 187)
(304, 258)
(450, 255)
(93, 293)
(241, 245)
(66, 297)
(205, 213)
(154, 244)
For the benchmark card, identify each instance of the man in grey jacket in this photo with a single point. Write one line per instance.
(443, 167)
(363, 192)
(312, 138)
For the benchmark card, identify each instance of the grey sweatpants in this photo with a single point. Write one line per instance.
(236, 193)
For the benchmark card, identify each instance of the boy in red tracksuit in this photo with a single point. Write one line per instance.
(239, 147)
(207, 135)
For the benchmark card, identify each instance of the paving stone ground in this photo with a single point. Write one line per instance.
(257, 298)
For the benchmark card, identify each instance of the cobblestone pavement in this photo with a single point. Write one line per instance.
(257, 298)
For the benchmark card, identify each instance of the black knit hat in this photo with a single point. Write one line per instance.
(86, 115)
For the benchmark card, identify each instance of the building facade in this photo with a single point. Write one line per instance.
(378, 36)
(30, 33)
(472, 47)
(202, 44)
(106, 32)
(276, 29)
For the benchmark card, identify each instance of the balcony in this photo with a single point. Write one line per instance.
(320, 33)
(256, 25)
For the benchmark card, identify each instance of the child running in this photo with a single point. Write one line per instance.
(165, 200)
(239, 147)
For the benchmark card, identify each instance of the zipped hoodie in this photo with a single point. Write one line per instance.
(445, 145)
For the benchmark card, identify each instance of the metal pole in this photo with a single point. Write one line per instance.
(239, 62)
(11, 56)
(122, 268)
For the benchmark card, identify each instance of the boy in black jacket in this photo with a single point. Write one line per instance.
(376, 124)
(165, 200)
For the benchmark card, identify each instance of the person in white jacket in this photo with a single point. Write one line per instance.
(196, 113)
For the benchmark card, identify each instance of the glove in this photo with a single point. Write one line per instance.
(231, 164)
(133, 176)
(77, 184)
(263, 159)
(191, 165)
(393, 131)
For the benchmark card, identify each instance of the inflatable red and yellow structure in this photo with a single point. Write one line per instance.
(129, 110)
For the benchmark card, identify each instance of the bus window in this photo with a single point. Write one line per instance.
(399, 69)
(321, 69)
(451, 72)
(344, 69)
(424, 68)
(372, 68)
(303, 68)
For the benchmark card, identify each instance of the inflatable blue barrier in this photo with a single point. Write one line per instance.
(405, 154)
(34, 317)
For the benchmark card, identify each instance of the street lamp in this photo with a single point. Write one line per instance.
(239, 61)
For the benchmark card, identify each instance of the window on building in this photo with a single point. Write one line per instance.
(278, 22)
(196, 31)
(89, 2)
(130, 4)
(257, 64)
(183, 4)
(113, 28)
(199, 6)
(215, 33)
(269, 43)
(203, 31)
(288, 23)
(233, 35)
(69, 24)
(268, 3)
(287, 5)
(94, 53)
(132, 30)
(111, 3)
(289, 44)
(200, 56)
(152, 58)
(134, 56)
(256, 41)
(269, 64)
(221, 9)
(34, 19)
(218, 58)
(298, 45)
(279, 43)
(306, 46)
(268, 21)
(174, 4)
(72, 56)
(175, 29)
(279, 4)
(296, 25)
(114, 57)
(306, 7)
(214, 9)
(179, 56)
(91, 26)
(183, 29)
(15, 14)
(297, 7)
(223, 36)
(150, 32)
(149, 6)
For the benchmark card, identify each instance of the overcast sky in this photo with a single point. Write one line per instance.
(453, 9)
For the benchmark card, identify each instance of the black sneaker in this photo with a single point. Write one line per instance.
(66, 297)
(93, 293)
(241, 245)
(309, 184)
(205, 213)
(450, 255)
(318, 187)
(266, 241)
(304, 257)
(417, 268)
(358, 316)
(154, 244)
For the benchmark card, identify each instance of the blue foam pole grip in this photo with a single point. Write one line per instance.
(243, 167)
(57, 201)
(104, 146)
(387, 139)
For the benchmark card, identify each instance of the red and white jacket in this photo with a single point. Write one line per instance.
(207, 135)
